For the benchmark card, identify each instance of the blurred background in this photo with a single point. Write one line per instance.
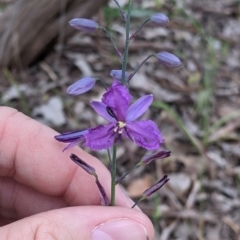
(197, 106)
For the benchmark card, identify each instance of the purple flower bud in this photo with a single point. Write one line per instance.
(157, 155)
(147, 193)
(117, 74)
(84, 24)
(104, 198)
(168, 60)
(89, 169)
(81, 86)
(160, 19)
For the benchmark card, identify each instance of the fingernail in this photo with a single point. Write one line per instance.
(120, 229)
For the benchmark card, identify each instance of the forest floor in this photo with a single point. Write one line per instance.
(196, 106)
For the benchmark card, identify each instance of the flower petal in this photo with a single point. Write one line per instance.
(118, 99)
(145, 134)
(69, 137)
(139, 107)
(100, 137)
(101, 109)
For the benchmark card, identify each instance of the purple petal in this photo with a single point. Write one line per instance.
(118, 99)
(168, 60)
(101, 109)
(101, 137)
(139, 107)
(147, 193)
(73, 144)
(160, 19)
(145, 134)
(84, 24)
(155, 156)
(89, 169)
(81, 86)
(71, 136)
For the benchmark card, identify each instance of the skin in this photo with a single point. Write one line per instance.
(43, 194)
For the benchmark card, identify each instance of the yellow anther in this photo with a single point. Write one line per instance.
(121, 124)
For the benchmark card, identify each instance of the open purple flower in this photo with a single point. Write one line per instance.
(115, 108)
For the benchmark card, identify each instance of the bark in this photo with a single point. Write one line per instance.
(29, 27)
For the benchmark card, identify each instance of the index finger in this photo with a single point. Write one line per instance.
(30, 155)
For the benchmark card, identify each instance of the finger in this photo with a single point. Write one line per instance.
(30, 155)
(95, 223)
(18, 201)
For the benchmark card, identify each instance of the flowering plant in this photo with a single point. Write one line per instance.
(117, 109)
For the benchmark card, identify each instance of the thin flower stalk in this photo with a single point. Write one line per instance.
(125, 57)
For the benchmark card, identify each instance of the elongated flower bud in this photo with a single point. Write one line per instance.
(89, 169)
(104, 198)
(81, 86)
(84, 24)
(117, 74)
(155, 156)
(147, 193)
(159, 19)
(168, 60)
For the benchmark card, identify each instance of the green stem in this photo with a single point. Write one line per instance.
(137, 202)
(113, 43)
(135, 71)
(125, 58)
(125, 174)
(102, 82)
(136, 32)
(114, 168)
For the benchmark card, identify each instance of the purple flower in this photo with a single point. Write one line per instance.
(73, 138)
(115, 108)
(168, 60)
(89, 169)
(147, 193)
(160, 19)
(81, 86)
(117, 74)
(157, 155)
(84, 24)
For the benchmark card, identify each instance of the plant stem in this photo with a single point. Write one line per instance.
(114, 168)
(103, 83)
(125, 174)
(113, 43)
(135, 71)
(136, 32)
(121, 11)
(125, 57)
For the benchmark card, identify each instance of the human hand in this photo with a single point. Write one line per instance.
(44, 195)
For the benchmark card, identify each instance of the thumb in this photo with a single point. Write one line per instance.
(88, 223)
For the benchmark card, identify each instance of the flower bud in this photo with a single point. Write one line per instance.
(155, 156)
(89, 169)
(159, 19)
(84, 24)
(147, 193)
(117, 74)
(103, 196)
(81, 86)
(168, 60)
